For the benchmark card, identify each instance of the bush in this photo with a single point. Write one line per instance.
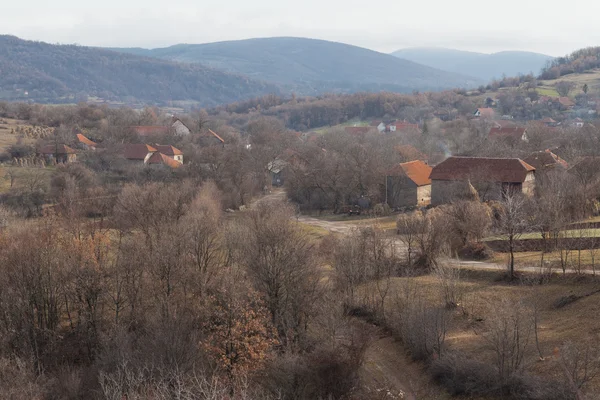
(462, 376)
(475, 251)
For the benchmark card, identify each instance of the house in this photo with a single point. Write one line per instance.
(59, 153)
(144, 152)
(179, 128)
(159, 159)
(402, 126)
(566, 102)
(410, 153)
(577, 123)
(487, 113)
(453, 178)
(545, 161)
(503, 123)
(139, 152)
(277, 169)
(170, 151)
(357, 130)
(408, 185)
(380, 125)
(511, 133)
(86, 143)
(549, 122)
(209, 139)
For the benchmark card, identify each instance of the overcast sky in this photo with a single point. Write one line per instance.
(383, 25)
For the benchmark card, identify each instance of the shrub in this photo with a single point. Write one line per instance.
(462, 376)
(475, 251)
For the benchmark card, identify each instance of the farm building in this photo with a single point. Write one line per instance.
(59, 153)
(491, 177)
(408, 185)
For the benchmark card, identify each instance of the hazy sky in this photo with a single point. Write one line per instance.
(384, 25)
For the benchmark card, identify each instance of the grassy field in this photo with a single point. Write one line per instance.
(572, 233)
(483, 294)
(6, 137)
(24, 176)
(547, 91)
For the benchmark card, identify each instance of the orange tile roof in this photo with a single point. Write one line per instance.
(217, 136)
(168, 149)
(486, 112)
(417, 171)
(160, 158)
(86, 141)
(138, 151)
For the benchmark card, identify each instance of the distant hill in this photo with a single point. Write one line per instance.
(480, 65)
(68, 73)
(310, 66)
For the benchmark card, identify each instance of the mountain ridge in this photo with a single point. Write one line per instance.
(481, 65)
(311, 66)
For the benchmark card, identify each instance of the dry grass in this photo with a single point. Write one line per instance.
(6, 137)
(23, 175)
(484, 293)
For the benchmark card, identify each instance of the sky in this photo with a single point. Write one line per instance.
(383, 25)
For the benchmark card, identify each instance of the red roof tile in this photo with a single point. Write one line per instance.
(160, 158)
(486, 112)
(565, 101)
(86, 141)
(416, 171)
(216, 136)
(481, 169)
(168, 150)
(545, 160)
(138, 151)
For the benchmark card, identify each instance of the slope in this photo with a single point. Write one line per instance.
(312, 66)
(43, 72)
(480, 65)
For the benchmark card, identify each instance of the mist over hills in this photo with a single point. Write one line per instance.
(479, 65)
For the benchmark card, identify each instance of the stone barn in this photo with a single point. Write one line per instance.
(408, 185)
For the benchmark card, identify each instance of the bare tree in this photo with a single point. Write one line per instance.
(564, 87)
(513, 222)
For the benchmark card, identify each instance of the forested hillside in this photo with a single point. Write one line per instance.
(311, 67)
(69, 73)
(579, 61)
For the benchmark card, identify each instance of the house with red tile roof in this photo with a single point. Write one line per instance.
(170, 151)
(209, 138)
(159, 159)
(402, 126)
(453, 178)
(485, 112)
(515, 133)
(86, 143)
(141, 152)
(545, 161)
(58, 153)
(566, 102)
(408, 185)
